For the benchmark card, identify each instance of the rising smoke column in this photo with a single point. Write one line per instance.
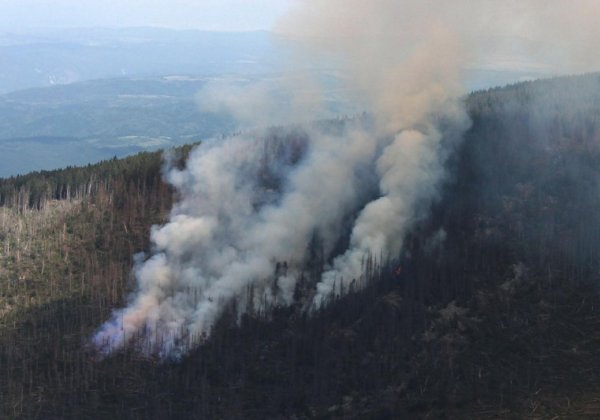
(405, 60)
(226, 236)
(248, 204)
(231, 228)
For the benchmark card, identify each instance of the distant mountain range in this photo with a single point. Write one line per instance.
(73, 55)
(64, 56)
(76, 96)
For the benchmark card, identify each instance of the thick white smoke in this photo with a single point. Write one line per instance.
(251, 204)
(248, 204)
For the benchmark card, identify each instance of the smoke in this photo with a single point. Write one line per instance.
(406, 62)
(263, 103)
(251, 204)
(556, 36)
(248, 203)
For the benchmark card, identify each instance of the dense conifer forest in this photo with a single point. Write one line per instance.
(491, 311)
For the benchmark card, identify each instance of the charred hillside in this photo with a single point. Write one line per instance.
(491, 309)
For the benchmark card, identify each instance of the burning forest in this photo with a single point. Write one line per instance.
(436, 255)
(248, 205)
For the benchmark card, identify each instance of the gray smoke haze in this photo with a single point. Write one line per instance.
(266, 102)
(254, 201)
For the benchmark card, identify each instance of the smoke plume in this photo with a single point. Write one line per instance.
(251, 204)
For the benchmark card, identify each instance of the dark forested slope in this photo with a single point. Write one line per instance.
(492, 310)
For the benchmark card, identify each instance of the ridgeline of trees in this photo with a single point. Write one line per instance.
(492, 310)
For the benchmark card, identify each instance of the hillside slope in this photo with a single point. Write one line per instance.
(491, 311)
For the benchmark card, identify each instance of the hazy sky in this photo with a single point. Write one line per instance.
(180, 14)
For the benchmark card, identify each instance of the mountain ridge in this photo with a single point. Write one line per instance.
(490, 311)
